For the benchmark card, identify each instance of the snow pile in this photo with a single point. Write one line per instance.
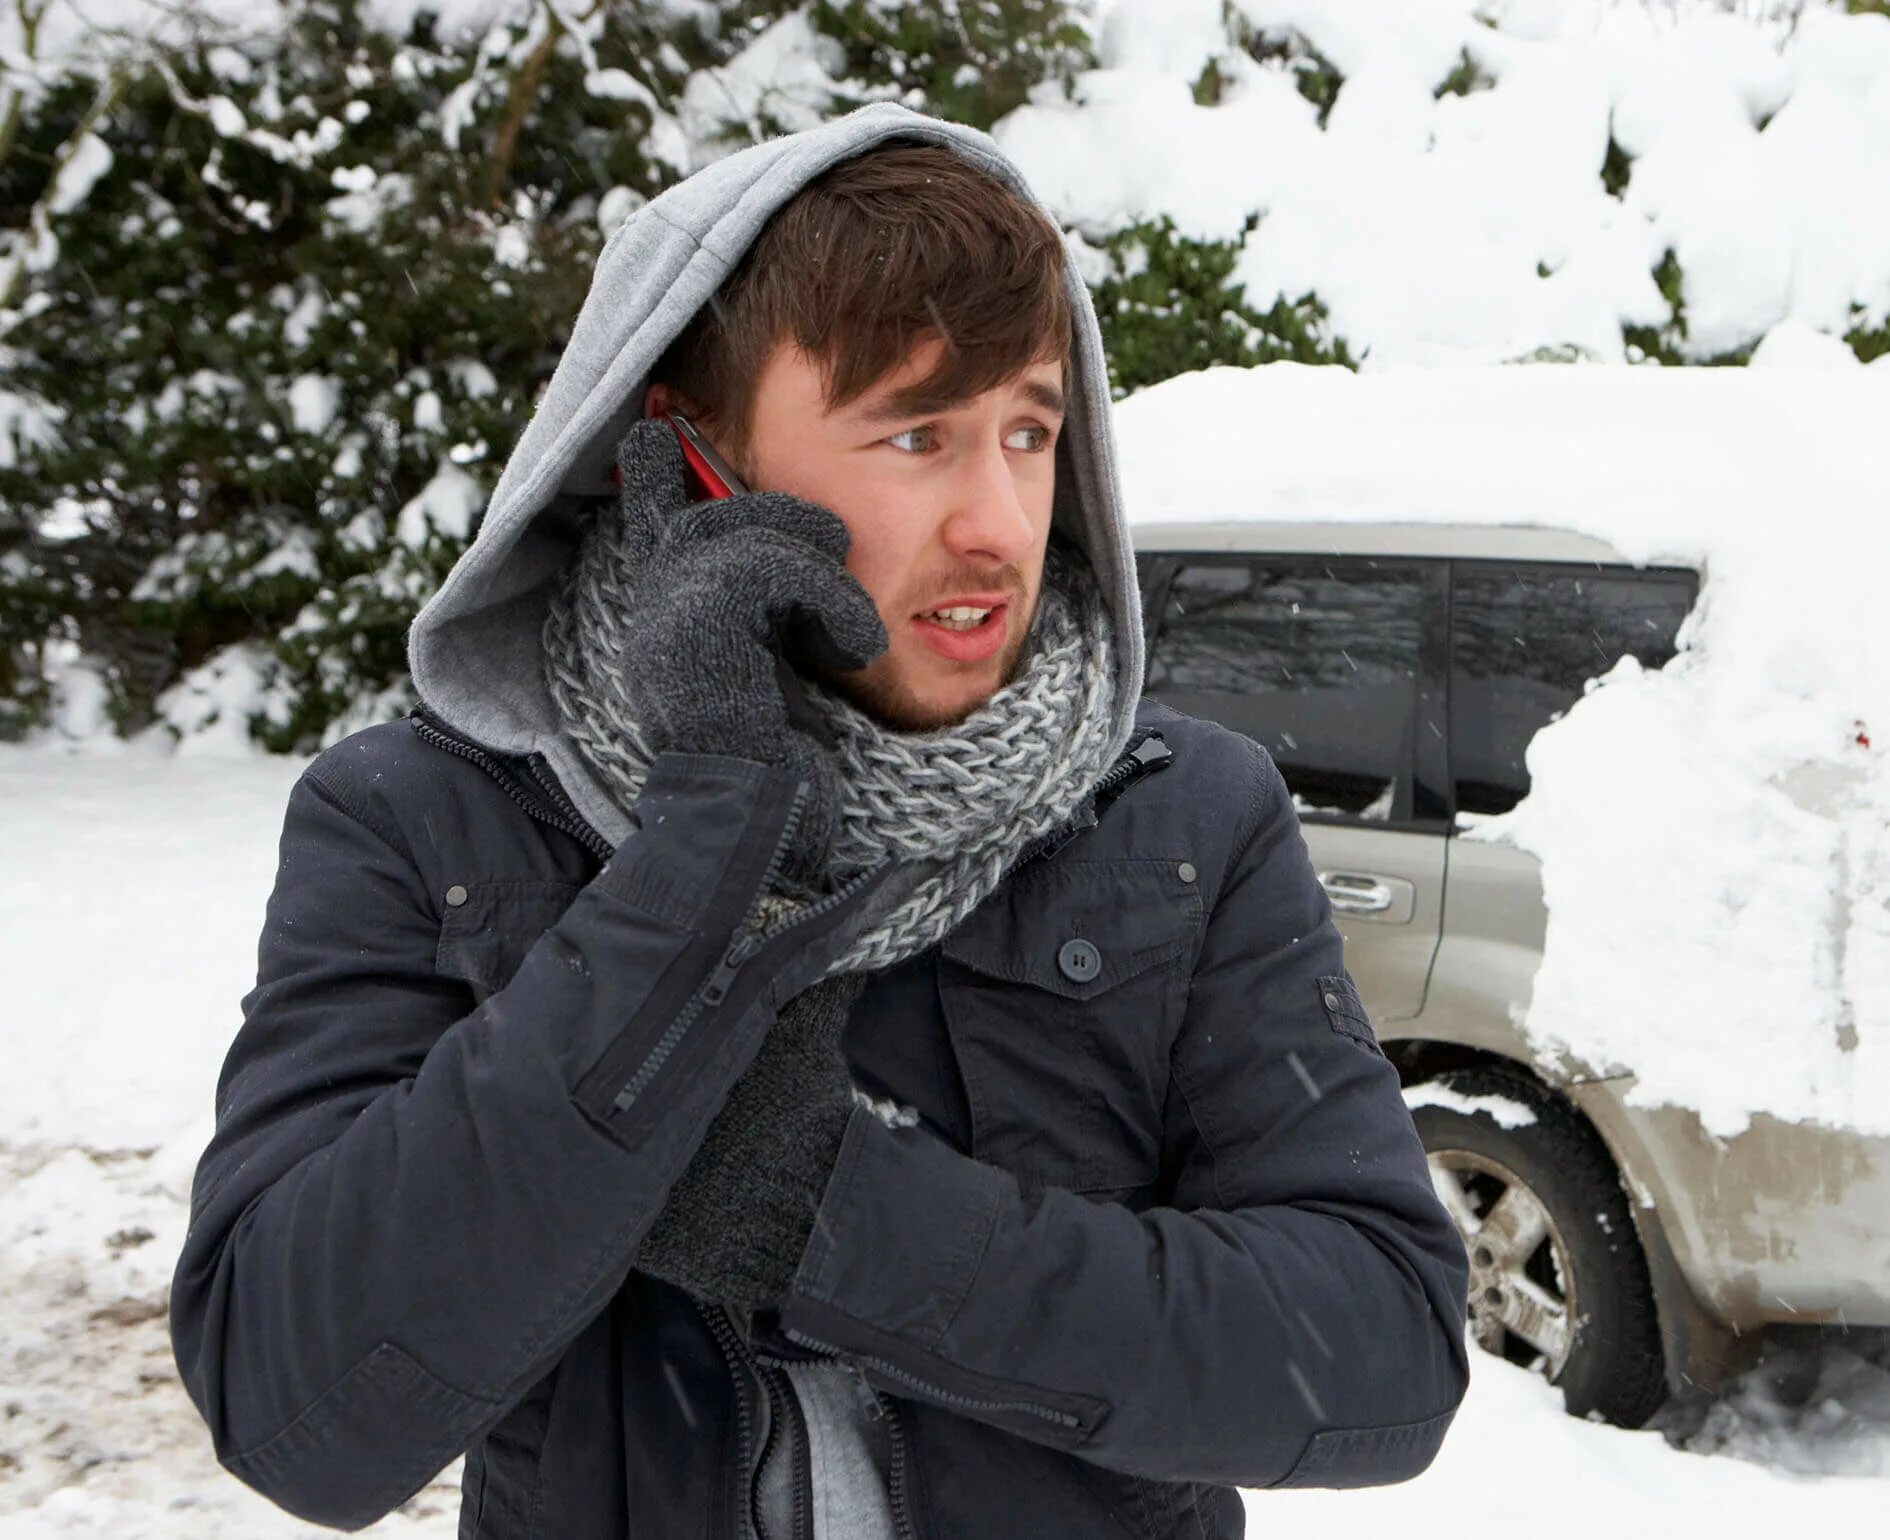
(787, 75)
(1476, 228)
(1714, 838)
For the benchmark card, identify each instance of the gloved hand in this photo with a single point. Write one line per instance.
(734, 1226)
(725, 596)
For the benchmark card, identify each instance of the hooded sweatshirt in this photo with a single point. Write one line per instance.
(475, 649)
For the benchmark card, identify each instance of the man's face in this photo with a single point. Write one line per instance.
(948, 504)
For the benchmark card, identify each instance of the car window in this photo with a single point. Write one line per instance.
(1524, 640)
(1320, 661)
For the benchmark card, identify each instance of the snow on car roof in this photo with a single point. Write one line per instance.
(1661, 464)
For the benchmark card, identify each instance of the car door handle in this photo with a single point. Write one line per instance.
(1356, 892)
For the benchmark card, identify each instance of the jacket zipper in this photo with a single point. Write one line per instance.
(882, 1408)
(803, 1453)
(896, 1487)
(779, 1388)
(970, 1403)
(736, 1358)
(751, 1479)
(886, 1409)
(800, 1450)
(746, 944)
(572, 824)
(540, 769)
(1149, 753)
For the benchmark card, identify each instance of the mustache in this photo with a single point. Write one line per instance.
(1009, 580)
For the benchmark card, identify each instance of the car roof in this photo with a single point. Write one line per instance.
(1498, 542)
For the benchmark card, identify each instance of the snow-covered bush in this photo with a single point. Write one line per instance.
(968, 60)
(289, 333)
(1484, 181)
(1168, 304)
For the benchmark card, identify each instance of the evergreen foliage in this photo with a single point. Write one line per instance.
(1465, 78)
(1617, 166)
(1318, 79)
(1170, 304)
(1666, 342)
(968, 60)
(282, 382)
(1868, 342)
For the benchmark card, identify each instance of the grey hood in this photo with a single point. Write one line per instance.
(475, 648)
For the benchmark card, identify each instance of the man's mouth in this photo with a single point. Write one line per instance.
(960, 617)
(968, 629)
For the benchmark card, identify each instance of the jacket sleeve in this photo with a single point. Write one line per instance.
(1295, 1317)
(407, 1211)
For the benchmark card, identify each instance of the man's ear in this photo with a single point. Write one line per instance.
(659, 400)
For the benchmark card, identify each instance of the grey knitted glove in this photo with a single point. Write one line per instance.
(724, 598)
(735, 1224)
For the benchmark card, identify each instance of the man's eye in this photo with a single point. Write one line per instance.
(1040, 441)
(926, 434)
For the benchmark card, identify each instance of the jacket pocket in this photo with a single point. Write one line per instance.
(488, 927)
(1062, 994)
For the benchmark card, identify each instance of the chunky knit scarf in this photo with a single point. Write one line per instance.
(964, 800)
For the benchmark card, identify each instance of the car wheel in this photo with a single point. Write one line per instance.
(1558, 1283)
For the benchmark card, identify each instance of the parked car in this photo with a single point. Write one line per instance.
(1396, 673)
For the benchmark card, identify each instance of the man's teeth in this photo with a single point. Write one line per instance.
(959, 617)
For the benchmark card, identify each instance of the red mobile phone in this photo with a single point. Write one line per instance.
(708, 471)
(709, 475)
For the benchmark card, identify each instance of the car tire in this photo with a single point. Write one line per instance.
(1563, 1237)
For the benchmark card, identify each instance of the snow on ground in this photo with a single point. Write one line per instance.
(131, 891)
(1735, 773)
(1476, 228)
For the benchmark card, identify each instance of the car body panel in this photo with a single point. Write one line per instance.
(1782, 1222)
(1388, 950)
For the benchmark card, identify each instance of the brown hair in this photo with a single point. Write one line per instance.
(905, 244)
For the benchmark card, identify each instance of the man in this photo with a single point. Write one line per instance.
(785, 1043)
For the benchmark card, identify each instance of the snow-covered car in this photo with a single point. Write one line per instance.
(1627, 1238)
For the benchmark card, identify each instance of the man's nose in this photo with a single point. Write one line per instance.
(988, 518)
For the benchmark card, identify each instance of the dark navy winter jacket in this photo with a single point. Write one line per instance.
(1164, 1226)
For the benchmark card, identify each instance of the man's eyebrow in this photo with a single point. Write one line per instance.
(919, 401)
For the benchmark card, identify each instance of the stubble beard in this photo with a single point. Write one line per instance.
(883, 692)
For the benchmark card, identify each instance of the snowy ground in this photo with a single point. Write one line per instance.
(133, 886)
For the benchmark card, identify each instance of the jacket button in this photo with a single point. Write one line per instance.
(455, 896)
(1332, 1001)
(1185, 871)
(1078, 961)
